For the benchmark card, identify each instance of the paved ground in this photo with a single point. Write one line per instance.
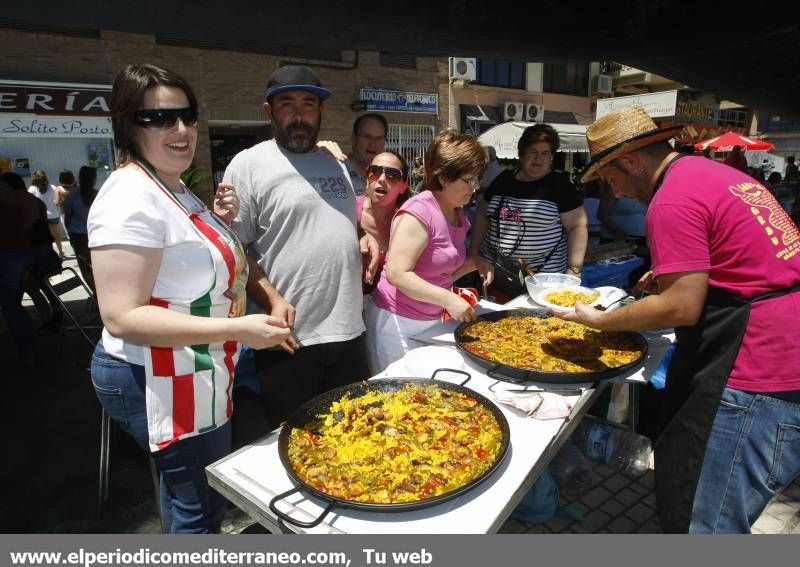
(50, 475)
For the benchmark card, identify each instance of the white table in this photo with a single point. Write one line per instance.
(253, 475)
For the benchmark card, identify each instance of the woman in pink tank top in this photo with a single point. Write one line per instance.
(427, 251)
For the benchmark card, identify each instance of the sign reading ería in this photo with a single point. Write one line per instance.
(54, 100)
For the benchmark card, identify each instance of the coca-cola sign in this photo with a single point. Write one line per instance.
(54, 100)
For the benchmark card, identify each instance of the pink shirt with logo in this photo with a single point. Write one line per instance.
(443, 255)
(709, 217)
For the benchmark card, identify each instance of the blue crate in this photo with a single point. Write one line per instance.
(611, 274)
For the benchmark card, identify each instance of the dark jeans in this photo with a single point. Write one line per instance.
(290, 380)
(188, 504)
(80, 244)
(13, 267)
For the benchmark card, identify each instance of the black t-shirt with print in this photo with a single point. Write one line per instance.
(524, 219)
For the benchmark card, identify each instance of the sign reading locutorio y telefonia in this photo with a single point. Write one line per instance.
(400, 101)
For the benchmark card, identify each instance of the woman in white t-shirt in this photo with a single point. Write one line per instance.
(48, 194)
(170, 280)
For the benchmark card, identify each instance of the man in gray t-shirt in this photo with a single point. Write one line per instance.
(297, 218)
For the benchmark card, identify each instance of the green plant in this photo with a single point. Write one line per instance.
(194, 176)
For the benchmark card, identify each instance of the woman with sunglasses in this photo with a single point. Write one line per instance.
(170, 278)
(427, 251)
(387, 189)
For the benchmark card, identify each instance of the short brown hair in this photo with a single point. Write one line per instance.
(39, 179)
(452, 155)
(538, 133)
(127, 95)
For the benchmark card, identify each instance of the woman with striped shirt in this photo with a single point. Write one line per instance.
(533, 213)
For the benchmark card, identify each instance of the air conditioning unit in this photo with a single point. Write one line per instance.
(512, 111)
(534, 112)
(604, 84)
(463, 68)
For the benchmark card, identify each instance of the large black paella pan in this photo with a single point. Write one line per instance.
(306, 420)
(586, 354)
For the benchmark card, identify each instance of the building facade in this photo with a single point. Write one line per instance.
(412, 93)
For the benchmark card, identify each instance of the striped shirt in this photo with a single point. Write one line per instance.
(525, 219)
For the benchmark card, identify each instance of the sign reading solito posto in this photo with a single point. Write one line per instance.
(39, 110)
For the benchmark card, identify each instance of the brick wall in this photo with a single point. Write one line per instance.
(229, 85)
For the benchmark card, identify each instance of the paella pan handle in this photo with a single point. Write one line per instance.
(467, 374)
(506, 374)
(298, 523)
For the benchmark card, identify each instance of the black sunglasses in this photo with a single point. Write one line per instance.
(375, 171)
(165, 117)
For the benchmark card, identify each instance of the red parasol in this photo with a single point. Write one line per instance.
(726, 142)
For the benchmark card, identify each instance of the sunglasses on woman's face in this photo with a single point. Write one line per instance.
(165, 117)
(375, 171)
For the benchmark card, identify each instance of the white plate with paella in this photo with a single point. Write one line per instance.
(564, 297)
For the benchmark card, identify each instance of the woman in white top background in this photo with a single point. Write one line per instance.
(42, 190)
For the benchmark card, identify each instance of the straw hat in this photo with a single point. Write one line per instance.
(621, 132)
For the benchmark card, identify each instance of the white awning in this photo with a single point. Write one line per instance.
(504, 138)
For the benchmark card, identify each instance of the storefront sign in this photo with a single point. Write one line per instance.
(400, 101)
(53, 100)
(694, 112)
(33, 126)
(656, 104)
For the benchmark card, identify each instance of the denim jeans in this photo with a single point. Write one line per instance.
(188, 504)
(13, 267)
(753, 451)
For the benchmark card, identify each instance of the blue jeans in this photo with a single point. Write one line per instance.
(188, 504)
(753, 451)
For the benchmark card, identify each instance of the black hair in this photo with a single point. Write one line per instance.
(14, 180)
(87, 176)
(127, 95)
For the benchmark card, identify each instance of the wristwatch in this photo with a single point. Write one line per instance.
(575, 270)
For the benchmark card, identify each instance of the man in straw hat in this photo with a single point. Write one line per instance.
(727, 269)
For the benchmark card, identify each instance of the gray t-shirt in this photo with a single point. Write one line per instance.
(298, 219)
(359, 184)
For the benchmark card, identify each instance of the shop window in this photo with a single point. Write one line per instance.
(570, 78)
(501, 73)
(732, 117)
(397, 60)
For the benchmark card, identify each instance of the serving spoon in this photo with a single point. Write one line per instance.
(605, 308)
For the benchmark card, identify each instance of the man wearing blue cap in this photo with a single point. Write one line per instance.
(298, 222)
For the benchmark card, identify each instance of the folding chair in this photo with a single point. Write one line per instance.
(56, 290)
(74, 281)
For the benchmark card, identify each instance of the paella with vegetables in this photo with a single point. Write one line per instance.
(549, 344)
(401, 446)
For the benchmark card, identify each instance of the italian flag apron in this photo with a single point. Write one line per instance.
(189, 388)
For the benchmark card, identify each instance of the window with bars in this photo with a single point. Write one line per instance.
(410, 141)
(732, 117)
(501, 73)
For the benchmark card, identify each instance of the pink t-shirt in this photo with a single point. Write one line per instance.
(708, 216)
(443, 255)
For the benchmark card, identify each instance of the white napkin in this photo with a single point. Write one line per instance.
(538, 405)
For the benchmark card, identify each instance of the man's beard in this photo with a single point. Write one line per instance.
(297, 137)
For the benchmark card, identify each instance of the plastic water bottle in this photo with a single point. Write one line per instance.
(572, 471)
(627, 452)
